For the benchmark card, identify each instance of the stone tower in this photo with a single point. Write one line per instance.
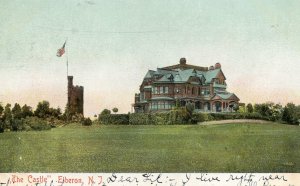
(75, 97)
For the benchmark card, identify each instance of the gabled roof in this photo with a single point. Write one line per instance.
(182, 75)
(185, 66)
(149, 74)
(225, 96)
(209, 75)
(164, 79)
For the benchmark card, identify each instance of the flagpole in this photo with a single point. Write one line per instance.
(67, 66)
(68, 98)
(67, 53)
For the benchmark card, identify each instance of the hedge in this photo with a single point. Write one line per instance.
(115, 119)
(160, 118)
(141, 119)
(178, 116)
(34, 123)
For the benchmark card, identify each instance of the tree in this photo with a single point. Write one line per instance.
(291, 113)
(235, 107)
(249, 108)
(42, 109)
(115, 110)
(1, 110)
(264, 109)
(26, 111)
(190, 107)
(242, 109)
(177, 104)
(16, 111)
(7, 116)
(55, 112)
(276, 111)
(1, 122)
(105, 112)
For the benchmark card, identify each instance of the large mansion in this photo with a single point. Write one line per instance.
(182, 83)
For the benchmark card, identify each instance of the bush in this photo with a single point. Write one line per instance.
(122, 119)
(201, 117)
(36, 123)
(54, 122)
(141, 119)
(86, 122)
(1, 126)
(224, 116)
(255, 115)
(197, 117)
(176, 116)
(161, 118)
(18, 125)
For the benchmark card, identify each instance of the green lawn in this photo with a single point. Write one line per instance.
(180, 148)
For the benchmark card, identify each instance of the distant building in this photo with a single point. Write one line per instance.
(75, 97)
(182, 83)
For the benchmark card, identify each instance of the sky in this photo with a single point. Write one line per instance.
(112, 44)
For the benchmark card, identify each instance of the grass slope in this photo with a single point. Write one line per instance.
(182, 148)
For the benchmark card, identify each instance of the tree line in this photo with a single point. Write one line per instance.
(290, 113)
(16, 117)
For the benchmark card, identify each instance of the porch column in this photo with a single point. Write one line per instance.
(222, 106)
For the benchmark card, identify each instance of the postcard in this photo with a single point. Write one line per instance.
(128, 92)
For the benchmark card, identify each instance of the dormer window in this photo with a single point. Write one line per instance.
(171, 78)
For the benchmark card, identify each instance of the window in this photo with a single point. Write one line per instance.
(160, 105)
(193, 90)
(142, 96)
(199, 91)
(154, 106)
(205, 92)
(154, 90)
(160, 90)
(166, 91)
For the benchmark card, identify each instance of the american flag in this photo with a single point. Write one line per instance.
(61, 51)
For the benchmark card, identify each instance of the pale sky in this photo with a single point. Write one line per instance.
(112, 44)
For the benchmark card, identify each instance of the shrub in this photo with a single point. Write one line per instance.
(161, 118)
(36, 123)
(122, 119)
(190, 107)
(141, 119)
(1, 126)
(255, 115)
(77, 118)
(86, 122)
(198, 117)
(54, 122)
(18, 125)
